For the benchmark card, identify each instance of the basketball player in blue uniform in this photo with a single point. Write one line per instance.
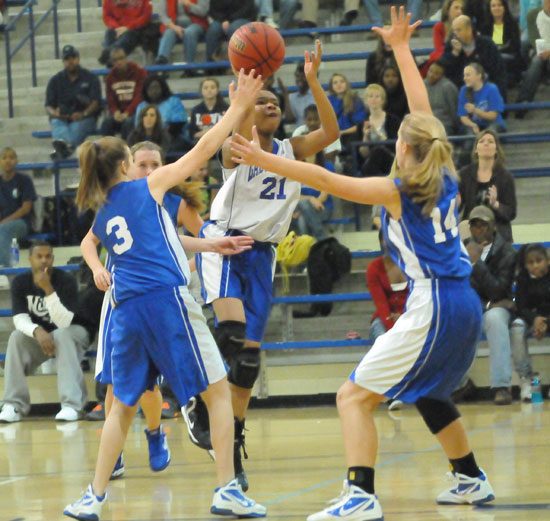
(259, 203)
(147, 157)
(157, 327)
(431, 346)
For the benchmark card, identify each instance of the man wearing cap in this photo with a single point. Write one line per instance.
(493, 265)
(72, 101)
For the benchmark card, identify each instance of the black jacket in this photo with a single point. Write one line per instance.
(506, 192)
(493, 278)
(232, 10)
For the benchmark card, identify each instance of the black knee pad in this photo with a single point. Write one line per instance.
(437, 414)
(245, 368)
(230, 336)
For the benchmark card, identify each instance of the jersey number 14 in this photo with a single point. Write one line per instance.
(449, 224)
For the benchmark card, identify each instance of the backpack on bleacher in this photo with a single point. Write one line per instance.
(328, 260)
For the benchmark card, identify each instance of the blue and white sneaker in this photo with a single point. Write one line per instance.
(118, 471)
(230, 501)
(467, 490)
(354, 505)
(88, 507)
(159, 452)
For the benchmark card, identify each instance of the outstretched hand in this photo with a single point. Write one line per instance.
(233, 245)
(246, 152)
(312, 61)
(400, 31)
(247, 90)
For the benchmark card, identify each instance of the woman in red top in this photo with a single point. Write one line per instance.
(388, 287)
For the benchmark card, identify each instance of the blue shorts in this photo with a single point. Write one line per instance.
(247, 277)
(162, 333)
(431, 346)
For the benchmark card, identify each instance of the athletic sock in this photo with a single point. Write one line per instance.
(362, 477)
(466, 465)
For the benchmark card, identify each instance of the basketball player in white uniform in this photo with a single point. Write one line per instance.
(260, 204)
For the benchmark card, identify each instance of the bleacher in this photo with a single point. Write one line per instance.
(289, 368)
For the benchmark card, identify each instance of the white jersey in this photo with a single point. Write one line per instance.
(256, 202)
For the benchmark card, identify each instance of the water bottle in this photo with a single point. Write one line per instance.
(536, 391)
(14, 253)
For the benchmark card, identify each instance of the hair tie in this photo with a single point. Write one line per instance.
(434, 139)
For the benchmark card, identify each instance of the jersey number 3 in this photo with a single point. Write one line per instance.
(270, 192)
(449, 224)
(121, 232)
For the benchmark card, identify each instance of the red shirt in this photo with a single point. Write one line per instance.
(124, 89)
(386, 300)
(134, 14)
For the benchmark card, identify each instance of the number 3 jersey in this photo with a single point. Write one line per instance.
(256, 202)
(428, 247)
(142, 241)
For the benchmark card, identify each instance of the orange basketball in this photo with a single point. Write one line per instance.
(256, 46)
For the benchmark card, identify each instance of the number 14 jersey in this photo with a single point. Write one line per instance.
(256, 202)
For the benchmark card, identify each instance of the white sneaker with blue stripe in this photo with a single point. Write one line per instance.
(230, 501)
(88, 507)
(467, 490)
(354, 505)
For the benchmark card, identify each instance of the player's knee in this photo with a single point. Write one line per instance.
(230, 336)
(245, 368)
(437, 414)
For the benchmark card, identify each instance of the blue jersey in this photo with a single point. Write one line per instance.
(428, 247)
(142, 241)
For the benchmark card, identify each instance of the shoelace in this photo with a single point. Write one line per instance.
(342, 495)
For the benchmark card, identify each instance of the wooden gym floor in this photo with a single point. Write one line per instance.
(296, 464)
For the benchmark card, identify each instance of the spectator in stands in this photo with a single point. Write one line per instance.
(524, 7)
(16, 197)
(493, 266)
(467, 47)
(182, 21)
(44, 303)
(487, 182)
(314, 206)
(150, 128)
(203, 175)
(389, 291)
(532, 309)
(209, 111)
(477, 11)
(442, 31)
(312, 122)
(227, 16)
(351, 10)
(480, 105)
(443, 96)
(125, 21)
(377, 61)
(396, 100)
(376, 160)
(349, 109)
(124, 87)
(296, 102)
(309, 14)
(73, 98)
(287, 10)
(503, 29)
(174, 118)
(541, 61)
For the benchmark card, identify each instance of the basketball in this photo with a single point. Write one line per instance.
(256, 46)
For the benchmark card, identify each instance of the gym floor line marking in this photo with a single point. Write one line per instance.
(391, 461)
(12, 480)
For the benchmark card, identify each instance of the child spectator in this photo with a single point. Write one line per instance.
(443, 96)
(349, 109)
(182, 21)
(209, 111)
(487, 182)
(396, 100)
(503, 28)
(149, 128)
(174, 118)
(16, 197)
(379, 126)
(125, 21)
(124, 86)
(532, 309)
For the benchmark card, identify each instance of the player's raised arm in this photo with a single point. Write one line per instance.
(305, 146)
(242, 98)
(398, 36)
